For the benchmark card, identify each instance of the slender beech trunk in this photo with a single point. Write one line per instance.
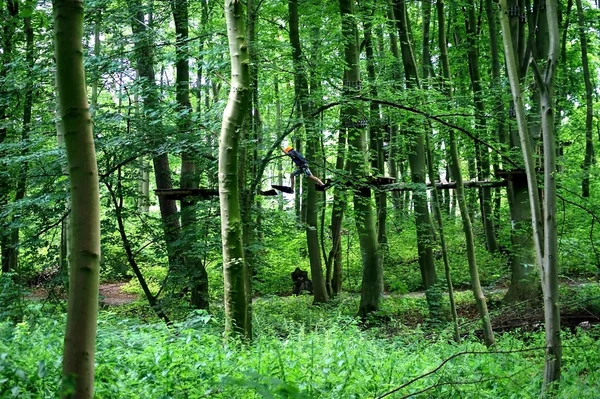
(280, 199)
(417, 161)
(248, 154)
(483, 156)
(561, 96)
(334, 259)
(117, 201)
(80, 335)
(372, 276)
(144, 58)
(8, 30)
(396, 75)
(524, 279)
(143, 201)
(376, 134)
(589, 102)
(498, 103)
(198, 278)
(488, 333)
(550, 262)
(235, 270)
(63, 258)
(301, 82)
(27, 105)
(544, 230)
(97, 48)
(454, 165)
(436, 198)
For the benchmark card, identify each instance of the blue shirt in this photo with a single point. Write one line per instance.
(297, 158)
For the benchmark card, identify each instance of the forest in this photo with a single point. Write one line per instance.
(301, 199)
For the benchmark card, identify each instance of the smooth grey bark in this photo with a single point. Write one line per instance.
(278, 117)
(544, 230)
(21, 185)
(432, 176)
(144, 60)
(482, 154)
(334, 259)
(376, 135)
(372, 276)
(9, 24)
(301, 87)
(235, 269)
(116, 196)
(84, 262)
(416, 158)
(194, 266)
(589, 102)
(524, 277)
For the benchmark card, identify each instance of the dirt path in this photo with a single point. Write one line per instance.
(110, 294)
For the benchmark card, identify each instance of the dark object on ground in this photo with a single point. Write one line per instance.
(301, 282)
(48, 276)
(283, 189)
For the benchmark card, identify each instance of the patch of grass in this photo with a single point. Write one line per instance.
(330, 357)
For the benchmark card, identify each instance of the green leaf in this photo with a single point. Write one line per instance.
(21, 374)
(41, 369)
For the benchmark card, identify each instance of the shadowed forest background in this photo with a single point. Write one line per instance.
(453, 251)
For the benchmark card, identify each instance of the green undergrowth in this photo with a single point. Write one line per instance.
(299, 351)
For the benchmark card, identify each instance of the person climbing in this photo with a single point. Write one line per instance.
(301, 167)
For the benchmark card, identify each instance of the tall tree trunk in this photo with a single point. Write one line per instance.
(27, 105)
(524, 278)
(235, 270)
(454, 165)
(301, 82)
(117, 201)
(198, 278)
(488, 333)
(8, 31)
(589, 103)
(561, 96)
(372, 276)
(544, 230)
(550, 265)
(376, 133)
(80, 335)
(432, 177)
(498, 103)
(334, 259)
(97, 48)
(416, 158)
(64, 250)
(144, 58)
(280, 199)
(483, 157)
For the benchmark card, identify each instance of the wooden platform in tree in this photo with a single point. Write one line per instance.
(378, 181)
(178, 194)
(510, 174)
(182, 193)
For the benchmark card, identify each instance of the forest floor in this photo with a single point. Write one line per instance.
(505, 317)
(110, 294)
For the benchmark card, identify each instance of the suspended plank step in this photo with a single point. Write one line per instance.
(381, 180)
(178, 194)
(183, 193)
(443, 186)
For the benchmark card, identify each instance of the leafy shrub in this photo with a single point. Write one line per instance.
(336, 359)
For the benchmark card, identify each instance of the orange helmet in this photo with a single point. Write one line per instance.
(288, 149)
